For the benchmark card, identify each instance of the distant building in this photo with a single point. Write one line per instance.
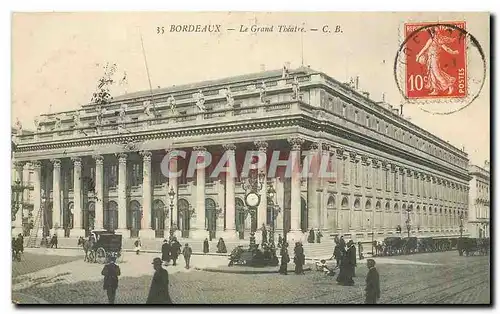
(22, 172)
(101, 167)
(479, 200)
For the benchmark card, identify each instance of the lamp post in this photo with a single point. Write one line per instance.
(171, 195)
(408, 225)
(275, 210)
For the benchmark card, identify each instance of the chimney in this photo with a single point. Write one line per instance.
(262, 67)
(366, 94)
(395, 111)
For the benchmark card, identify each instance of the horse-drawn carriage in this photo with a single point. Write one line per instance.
(105, 244)
(470, 246)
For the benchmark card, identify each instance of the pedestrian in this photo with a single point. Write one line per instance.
(175, 250)
(137, 245)
(221, 246)
(111, 271)
(360, 250)
(319, 235)
(165, 252)
(264, 233)
(285, 259)
(158, 292)
(53, 241)
(342, 243)
(310, 238)
(337, 254)
(280, 241)
(299, 258)
(350, 262)
(186, 252)
(205, 246)
(372, 283)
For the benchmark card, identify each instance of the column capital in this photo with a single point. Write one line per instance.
(296, 142)
(327, 148)
(261, 145)
(19, 165)
(146, 155)
(122, 158)
(36, 164)
(366, 160)
(199, 149)
(77, 161)
(99, 159)
(56, 163)
(315, 145)
(229, 147)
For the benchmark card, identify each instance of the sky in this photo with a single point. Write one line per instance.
(57, 58)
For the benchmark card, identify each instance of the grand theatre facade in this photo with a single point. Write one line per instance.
(100, 167)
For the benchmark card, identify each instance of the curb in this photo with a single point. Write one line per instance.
(16, 296)
(244, 271)
(132, 251)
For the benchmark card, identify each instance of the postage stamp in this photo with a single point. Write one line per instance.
(439, 66)
(436, 61)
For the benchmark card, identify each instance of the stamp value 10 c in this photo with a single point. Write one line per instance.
(436, 61)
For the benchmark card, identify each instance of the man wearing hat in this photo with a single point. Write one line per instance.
(158, 292)
(186, 252)
(111, 271)
(372, 283)
(351, 262)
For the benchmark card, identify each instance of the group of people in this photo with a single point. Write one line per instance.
(298, 259)
(221, 246)
(158, 291)
(314, 236)
(171, 249)
(17, 247)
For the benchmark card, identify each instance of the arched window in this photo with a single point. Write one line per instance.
(345, 202)
(111, 216)
(240, 214)
(368, 204)
(378, 205)
(331, 202)
(357, 203)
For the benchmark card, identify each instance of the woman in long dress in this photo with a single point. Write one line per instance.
(437, 79)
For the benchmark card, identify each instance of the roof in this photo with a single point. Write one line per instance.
(199, 85)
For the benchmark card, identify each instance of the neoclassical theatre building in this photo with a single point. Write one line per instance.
(99, 167)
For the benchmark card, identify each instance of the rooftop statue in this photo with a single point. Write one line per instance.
(295, 88)
(147, 107)
(263, 92)
(200, 101)
(229, 98)
(76, 119)
(171, 103)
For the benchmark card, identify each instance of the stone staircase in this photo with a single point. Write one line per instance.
(311, 250)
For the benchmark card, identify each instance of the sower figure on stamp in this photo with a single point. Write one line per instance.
(372, 283)
(158, 292)
(111, 271)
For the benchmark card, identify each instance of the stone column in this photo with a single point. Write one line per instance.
(312, 187)
(57, 226)
(146, 231)
(262, 208)
(230, 231)
(295, 230)
(37, 198)
(278, 184)
(326, 157)
(18, 222)
(199, 226)
(122, 195)
(99, 192)
(340, 158)
(77, 230)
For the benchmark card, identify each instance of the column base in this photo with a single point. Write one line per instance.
(295, 236)
(77, 232)
(147, 234)
(198, 234)
(228, 235)
(124, 232)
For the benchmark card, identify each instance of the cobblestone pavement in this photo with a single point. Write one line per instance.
(436, 278)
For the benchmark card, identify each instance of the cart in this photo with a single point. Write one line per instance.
(108, 244)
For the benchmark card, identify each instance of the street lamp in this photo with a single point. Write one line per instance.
(275, 210)
(171, 195)
(408, 225)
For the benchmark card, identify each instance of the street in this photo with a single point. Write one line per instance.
(432, 278)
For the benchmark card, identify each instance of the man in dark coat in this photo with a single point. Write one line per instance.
(342, 263)
(221, 246)
(111, 271)
(342, 243)
(175, 250)
(285, 259)
(206, 248)
(158, 292)
(299, 258)
(264, 233)
(165, 252)
(186, 252)
(53, 241)
(351, 262)
(310, 238)
(372, 283)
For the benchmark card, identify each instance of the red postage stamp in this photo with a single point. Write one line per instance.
(436, 61)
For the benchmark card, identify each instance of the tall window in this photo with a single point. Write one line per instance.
(136, 174)
(395, 181)
(158, 177)
(387, 179)
(367, 121)
(356, 116)
(378, 126)
(344, 111)
(403, 182)
(356, 172)
(112, 176)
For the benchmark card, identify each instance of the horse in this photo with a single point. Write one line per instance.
(87, 246)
